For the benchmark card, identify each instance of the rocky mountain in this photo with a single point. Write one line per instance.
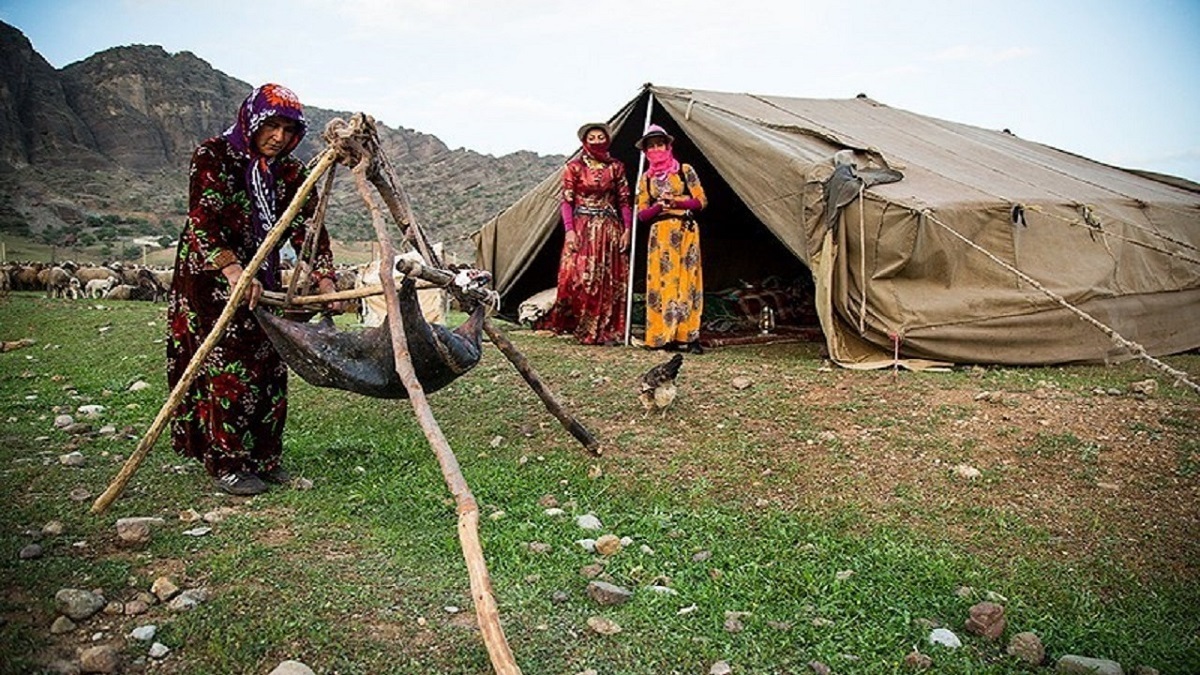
(107, 140)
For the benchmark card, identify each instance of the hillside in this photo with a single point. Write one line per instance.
(95, 154)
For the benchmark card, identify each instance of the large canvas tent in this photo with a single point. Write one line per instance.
(989, 249)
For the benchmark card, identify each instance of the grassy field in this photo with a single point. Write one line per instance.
(816, 515)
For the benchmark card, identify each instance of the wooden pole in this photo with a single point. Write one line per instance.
(115, 488)
(486, 612)
(515, 357)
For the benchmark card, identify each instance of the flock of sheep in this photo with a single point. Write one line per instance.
(115, 281)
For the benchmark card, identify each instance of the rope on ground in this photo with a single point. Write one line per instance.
(1135, 348)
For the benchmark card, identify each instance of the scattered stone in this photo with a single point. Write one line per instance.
(136, 530)
(63, 421)
(588, 545)
(591, 571)
(78, 604)
(108, 430)
(188, 599)
(158, 650)
(603, 626)
(100, 659)
(540, 547)
(1028, 648)
(843, 575)
(918, 661)
(72, 459)
(554, 512)
(967, 471)
(136, 608)
(589, 522)
(164, 589)
(595, 471)
(62, 625)
(819, 668)
(52, 528)
(197, 532)
(987, 620)
(114, 608)
(559, 597)
(608, 545)
(497, 515)
(139, 385)
(30, 551)
(701, 556)
(944, 637)
(662, 590)
(606, 594)
(741, 382)
(290, 667)
(1144, 387)
(77, 429)
(548, 501)
(189, 516)
(588, 671)
(1070, 664)
(144, 633)
(733, 621)
(1145, 670)
(219, 514)
(302, 484)
(91, 411)
(720, 668)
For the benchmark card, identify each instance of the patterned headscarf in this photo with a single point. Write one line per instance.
(265, 102)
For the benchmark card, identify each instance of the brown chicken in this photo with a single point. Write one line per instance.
(658, 385)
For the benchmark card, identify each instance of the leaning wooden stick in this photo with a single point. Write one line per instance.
(115, 488)
(438, 277)
(486, 612)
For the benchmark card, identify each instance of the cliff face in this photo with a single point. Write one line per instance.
(124, 121)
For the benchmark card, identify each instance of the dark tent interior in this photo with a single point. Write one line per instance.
(745, 265)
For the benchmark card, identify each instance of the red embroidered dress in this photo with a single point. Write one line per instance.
(233, 414)
(591, 280)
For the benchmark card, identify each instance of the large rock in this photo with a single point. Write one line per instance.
(292, 668)
(100, 659)
(1071, 664)
(78, 604)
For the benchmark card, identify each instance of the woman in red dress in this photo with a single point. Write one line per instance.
(233, 413)
(594, 267)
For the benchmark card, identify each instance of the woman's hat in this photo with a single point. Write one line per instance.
(594, 125)
(654, 131)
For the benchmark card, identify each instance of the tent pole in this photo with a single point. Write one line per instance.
(633, 229)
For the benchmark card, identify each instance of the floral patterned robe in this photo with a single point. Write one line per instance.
(233, 414)
(674, 279)
(591, 280)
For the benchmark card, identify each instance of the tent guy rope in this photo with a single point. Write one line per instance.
(1133, 347)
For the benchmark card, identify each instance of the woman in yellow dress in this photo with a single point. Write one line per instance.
(669, 196)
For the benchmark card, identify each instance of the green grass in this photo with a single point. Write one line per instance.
(355, 575)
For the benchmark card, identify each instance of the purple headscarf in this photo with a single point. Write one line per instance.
(265, 102)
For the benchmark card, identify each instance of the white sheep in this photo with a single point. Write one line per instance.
(96, 288)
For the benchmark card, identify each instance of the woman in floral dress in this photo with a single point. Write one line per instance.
(593, 269)
(240, 182)
(669, 196)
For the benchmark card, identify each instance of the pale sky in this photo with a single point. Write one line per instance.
(1107, 79)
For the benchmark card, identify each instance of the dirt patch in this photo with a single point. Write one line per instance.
(1080, 474)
